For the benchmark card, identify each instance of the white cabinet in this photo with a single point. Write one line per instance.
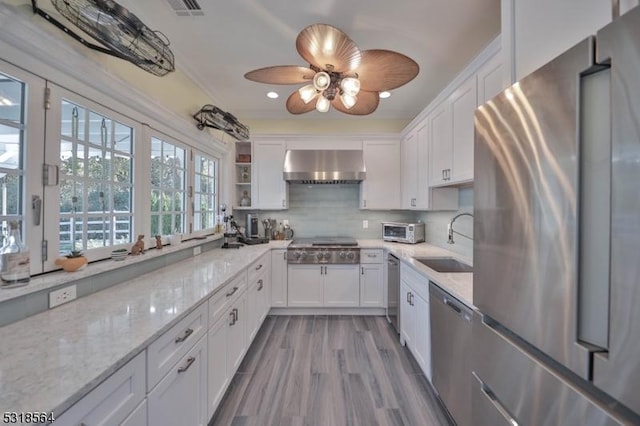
(270, 188)
(415, 329)
(341, 286)
(113, 400)
(379, 190)
(279, 278)
(452, 137)
(180, 397)
(138, 417)
(372, 288)
(416, 193)
(226, 338)
(323, 286)
(305, 285)
(258, 298)
(490, 79)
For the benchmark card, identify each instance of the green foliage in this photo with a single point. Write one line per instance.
(74, 253)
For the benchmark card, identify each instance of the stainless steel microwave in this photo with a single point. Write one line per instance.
(411, 233)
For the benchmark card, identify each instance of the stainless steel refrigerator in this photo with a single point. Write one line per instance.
(557, 240)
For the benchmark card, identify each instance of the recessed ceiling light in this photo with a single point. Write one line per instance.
(272, 95)
(384, 95)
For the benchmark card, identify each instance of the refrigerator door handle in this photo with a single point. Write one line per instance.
(487, 393)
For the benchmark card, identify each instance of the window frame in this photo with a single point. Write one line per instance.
(217, 162)
(52, 156)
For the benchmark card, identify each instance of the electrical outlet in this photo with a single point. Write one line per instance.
(63, 295)
(365, 224)
(285, 222)
(197, 250)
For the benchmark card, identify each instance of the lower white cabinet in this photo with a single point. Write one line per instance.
(258, 297)
(113, 400)
(415, 328)
(227, 347)
(138, 417)
(279, 278)
(372, 285)
(180, 397)
(323, 286)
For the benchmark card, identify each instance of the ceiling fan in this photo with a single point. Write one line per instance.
(339, 73)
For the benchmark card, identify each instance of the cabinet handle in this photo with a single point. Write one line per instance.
(186, 366)
(451, 305)
(284, 255)
(232, 321)
(232, 292)
(235, 315)
(362, 270)
(184, 336)
(259, 267)
(260, 285)
(371, 255)
(321, 270)
(409, 297)
(325, 270)
(364, 203)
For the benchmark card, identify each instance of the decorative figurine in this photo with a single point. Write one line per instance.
(158, 242)
(138, 247)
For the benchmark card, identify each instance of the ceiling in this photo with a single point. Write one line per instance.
(233, 37)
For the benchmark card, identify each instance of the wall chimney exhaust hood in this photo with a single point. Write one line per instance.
(324, 166)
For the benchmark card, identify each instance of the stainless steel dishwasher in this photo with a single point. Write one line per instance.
(393, 291)
(451, 352)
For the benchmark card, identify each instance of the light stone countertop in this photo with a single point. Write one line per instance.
(51, 360)
(459, 285)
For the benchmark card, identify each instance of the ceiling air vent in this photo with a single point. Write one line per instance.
(186, 7)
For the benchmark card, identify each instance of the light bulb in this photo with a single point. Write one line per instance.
(321, 80)
(384, 95)
(323, 104)
(348, 100)
(307, 93)
(350, 86)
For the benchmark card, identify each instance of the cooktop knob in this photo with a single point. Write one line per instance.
(319, 255)
(351, 255)
(343, 255)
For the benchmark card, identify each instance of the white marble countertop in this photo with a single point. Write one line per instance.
(459, 285)
(50, 360)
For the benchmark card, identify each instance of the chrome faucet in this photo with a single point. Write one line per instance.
(451, 231)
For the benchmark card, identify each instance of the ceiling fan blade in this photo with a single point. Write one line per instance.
(328, 48)
(367, 103)
(382, 70)
(281, 74)
(295, 105)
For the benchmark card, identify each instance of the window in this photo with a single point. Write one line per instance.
(168, 188)
(96, 180)
(205, 194)
(11, 150)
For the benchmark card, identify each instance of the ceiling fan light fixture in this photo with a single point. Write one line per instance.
(350, 85)
(384, 94)
(348, 100)
(323, 104)
(321, 80)
(307, 93)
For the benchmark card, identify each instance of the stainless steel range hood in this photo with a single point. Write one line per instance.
(324, 166)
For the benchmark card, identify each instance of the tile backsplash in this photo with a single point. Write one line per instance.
(329, 210)
(436, 225)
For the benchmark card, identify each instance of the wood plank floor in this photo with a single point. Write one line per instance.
(328, 370)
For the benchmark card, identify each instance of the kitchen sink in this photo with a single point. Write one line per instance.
(444, 264)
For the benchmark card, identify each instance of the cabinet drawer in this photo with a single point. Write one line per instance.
(371, 256)
(418, 282)
(259, 266)
(167, 349)
(219, 302)
(113, 400)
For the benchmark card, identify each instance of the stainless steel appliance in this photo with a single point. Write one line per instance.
(451, 334)
(324, 166)
(411, 233)
(557, 237)
(323, 250)
(393, 291)
(251, 226)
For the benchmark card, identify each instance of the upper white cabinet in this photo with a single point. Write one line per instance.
(452, 136)
(269, 187)
(490, 79)
(416, 194)
(379, 190)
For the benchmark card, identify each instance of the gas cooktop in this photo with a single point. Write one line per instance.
(324, 250)
(324, 242)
